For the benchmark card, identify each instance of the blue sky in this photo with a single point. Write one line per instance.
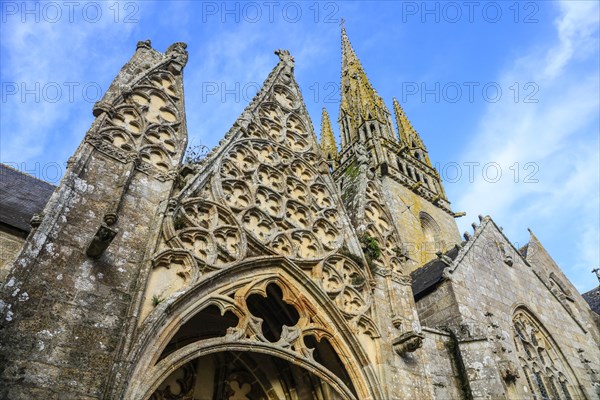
(504, 94)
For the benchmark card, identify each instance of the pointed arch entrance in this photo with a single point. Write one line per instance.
(261, 328)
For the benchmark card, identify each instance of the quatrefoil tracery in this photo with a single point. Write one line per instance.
(280, 199)
(346, 285)
(209, 232)
(146, 119)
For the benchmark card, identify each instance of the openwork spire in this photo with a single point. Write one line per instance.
(328, 145)
(359, 101)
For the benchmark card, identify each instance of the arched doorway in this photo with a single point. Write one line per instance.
(275, 330)
(235, 375)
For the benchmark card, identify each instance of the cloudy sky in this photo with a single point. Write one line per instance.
(504, 94)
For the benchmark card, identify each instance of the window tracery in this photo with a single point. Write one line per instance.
(543, 366)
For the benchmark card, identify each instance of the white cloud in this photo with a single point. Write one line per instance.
(52, 60)
(559, 134)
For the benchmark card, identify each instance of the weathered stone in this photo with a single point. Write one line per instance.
(274, 267)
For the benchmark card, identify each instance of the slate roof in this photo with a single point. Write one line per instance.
(21, 196)
(429, 275)
(593, 299)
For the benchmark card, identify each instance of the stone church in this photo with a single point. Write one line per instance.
(278, 266)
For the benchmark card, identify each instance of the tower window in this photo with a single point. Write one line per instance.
(418, 155)
(432, 240)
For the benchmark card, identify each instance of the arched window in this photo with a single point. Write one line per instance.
(432, 242)
(545, 369)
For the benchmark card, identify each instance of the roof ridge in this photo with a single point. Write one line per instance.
(26, 174)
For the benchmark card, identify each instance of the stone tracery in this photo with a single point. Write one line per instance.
(262, 194)
(268, 311)
(545, 370)
(145, 118)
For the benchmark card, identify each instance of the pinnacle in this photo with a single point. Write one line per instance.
(408, 134)
(328, 145)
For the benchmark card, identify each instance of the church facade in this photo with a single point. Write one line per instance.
(279, 266)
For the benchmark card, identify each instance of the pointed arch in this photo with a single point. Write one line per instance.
(547, 373)
(319, 319)
(432, 237)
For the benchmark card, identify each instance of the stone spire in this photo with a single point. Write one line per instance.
(371, 151)
(409, 137)
(328, 145)
(359, 100)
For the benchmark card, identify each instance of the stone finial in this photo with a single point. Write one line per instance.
(285, 56)
(467, 236)
(144, 44)
(359, 99)
(597, 272)
(407, 134)
(177, 51)
(474, 226)
(480, 218)
(328, 145)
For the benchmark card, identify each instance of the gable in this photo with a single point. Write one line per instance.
(504, 272)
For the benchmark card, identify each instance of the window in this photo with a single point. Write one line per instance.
(432, 242)
(545, 369)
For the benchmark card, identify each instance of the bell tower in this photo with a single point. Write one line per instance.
(412, 189)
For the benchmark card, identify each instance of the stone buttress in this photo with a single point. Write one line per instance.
(67, 303)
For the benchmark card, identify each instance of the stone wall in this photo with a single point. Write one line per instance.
(69, 303)
(490, 281)
(406, 207)
(443, 369)
(438, 308)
